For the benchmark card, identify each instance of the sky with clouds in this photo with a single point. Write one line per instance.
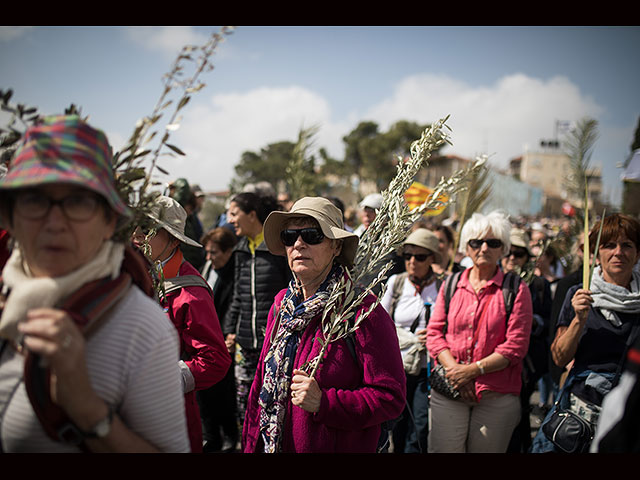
(503, 87)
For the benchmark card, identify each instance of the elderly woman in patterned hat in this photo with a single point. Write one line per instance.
(88, 358)
(342, 407)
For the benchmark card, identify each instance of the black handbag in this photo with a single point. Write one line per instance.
(571, 433)
(568, 431)
(441, 384)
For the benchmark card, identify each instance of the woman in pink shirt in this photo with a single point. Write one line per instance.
(481, 351)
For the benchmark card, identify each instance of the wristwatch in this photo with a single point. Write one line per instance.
(102, 428)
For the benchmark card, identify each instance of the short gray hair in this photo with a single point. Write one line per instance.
(480, 224)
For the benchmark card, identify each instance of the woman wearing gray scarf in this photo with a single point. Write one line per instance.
(594, 324)
(597, 325)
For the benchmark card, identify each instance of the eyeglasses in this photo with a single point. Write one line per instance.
(311, 236)
(517, 253)
(491, 243)
(420, 257)
(77, 207)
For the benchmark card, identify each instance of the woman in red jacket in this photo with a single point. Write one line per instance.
(204, 356)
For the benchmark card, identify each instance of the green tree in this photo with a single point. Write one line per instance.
(373, 155)
(267, 165)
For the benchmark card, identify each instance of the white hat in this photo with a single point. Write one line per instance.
(373, 200)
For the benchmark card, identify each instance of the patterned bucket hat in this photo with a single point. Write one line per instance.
(65, 149)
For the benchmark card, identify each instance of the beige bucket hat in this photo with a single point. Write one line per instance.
(520, 238)
(328, 217)
(425, 238)
(170, 215)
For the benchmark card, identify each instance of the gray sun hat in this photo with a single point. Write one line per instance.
(520, 238)
(328, 217)
(169, 214)
(425, 238)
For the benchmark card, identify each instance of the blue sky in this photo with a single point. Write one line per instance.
(504, 87)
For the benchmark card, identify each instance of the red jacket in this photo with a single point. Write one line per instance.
(202, 346)
(357, 396)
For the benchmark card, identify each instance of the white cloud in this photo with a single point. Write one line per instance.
(498, 119)
(214, 135)
(167, 40)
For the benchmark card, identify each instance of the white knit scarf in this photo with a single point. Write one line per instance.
(28, 292)
(610, 298)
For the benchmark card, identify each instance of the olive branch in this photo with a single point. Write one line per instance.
(133, 178)
(387, 231)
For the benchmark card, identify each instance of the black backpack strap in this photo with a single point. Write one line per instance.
(510, 286)
(450, 285)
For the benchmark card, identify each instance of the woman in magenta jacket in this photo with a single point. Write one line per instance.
(343, 407)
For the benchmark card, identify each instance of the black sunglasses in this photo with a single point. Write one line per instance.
(311, 236)
(517, 253)
(491, 242)
(420, 257)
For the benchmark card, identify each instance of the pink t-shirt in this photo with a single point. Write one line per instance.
(465, 310)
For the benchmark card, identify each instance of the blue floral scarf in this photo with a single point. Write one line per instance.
(294, 316)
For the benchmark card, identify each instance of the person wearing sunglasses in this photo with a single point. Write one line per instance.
(361, 383)
(480, 348)
(519, 260)
(259, 276)
(80, 313)
(409, 298)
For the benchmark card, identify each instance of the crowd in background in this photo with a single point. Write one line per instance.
(449, 308)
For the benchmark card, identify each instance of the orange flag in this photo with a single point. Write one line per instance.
(417, 194)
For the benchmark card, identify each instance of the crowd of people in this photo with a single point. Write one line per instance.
(94, 356)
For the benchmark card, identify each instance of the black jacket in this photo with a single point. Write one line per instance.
(257, 280)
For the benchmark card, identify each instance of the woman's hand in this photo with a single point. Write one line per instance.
(461, 374)
(462, 377)
(422, 336)
(230, 342)
(52, 334)
(305, 392)
(581, 303)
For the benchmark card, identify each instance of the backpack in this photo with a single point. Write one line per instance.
(398, 286)
(510, 286)
(174, 284)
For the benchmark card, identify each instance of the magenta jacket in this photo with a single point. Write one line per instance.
(202, 346)
(511, 341)
(355, 400)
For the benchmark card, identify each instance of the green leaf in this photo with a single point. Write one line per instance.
(175, 149)
(183, 102)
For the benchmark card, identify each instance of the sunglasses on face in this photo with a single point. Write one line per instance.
(491, 243)
(310, 236)
(420, 257)
(517, 253)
